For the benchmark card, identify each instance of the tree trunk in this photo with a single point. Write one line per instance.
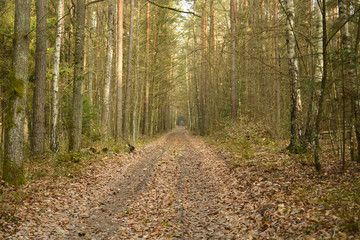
(13, 169)
(316, 143)
(295, 145)
(147, 72)
(129, 73)
(203, 80)
(108, 74)
(38, 120)
(350, 80)
(77, 104)
(318, 72)
(54, 136)
(137, 79)
(119, 70)
(277, 68)
(234, 101)
(90, 55)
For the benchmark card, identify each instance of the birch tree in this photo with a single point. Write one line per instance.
(13, 169)
(54, 136)
(295, 144)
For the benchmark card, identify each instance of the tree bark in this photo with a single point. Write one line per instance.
(129, 73)
(234, 101)
(203, 80)
(13, 169)
(277, 68)
(147, 72)
(92, 22)
(350, 80)
(38, 120)
(108, 73)
(137, 79)
(54, 135)
(295, 144)
(119, 70)
(77, 104)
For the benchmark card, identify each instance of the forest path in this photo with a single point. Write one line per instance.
(176, 187)
(175, 190)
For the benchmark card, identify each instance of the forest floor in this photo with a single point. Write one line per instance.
(179, 187)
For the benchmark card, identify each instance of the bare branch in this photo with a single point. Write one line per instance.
(173, 9)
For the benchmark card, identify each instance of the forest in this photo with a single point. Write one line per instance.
(179, 119)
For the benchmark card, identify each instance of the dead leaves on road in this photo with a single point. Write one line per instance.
(193, 192)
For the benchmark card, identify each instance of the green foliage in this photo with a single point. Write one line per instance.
(90, 123)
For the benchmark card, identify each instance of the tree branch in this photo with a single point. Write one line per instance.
(93, 2)
(173, 9)
(342, 25)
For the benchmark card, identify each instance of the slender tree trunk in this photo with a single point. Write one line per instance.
(54, 135)
(13, 169)
(350, 80)
(137, 79)
(318, 72)
(152, 83)
(234, 94)
(77, 105)
(316, 143)
(147, 72)
(203, 81)
(295, 145)
(119, 70)
(277, 68)
(92, 22)
(38, 120)
(129, 73)
(108, 73)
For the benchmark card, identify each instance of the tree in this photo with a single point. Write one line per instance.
(54, 136)
(38, 120)
(129, 72)
(203, 80)
(295, 145)
(119, 98)
(234, 93)
(77, 104)
(147, 73)
(13, 169)
(108, 73)
(349, 67)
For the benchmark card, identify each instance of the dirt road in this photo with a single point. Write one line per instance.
(176, 187)
(173, 189)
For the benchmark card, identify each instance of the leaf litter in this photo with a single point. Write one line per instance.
(180, 188)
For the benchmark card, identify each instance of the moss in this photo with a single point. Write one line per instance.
(16, 86)
(13, 174)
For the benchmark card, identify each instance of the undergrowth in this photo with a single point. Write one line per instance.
(333, 191)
